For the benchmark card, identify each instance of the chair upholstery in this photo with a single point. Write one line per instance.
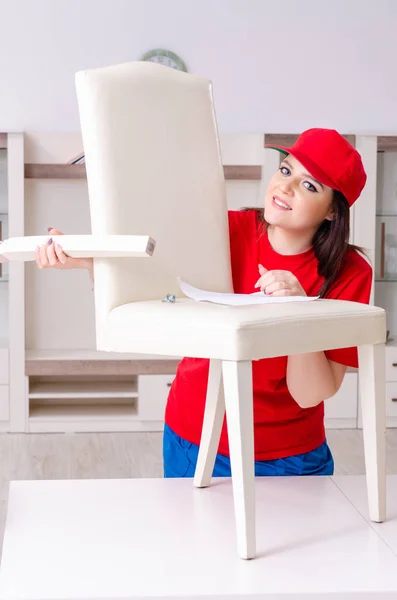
(153, 164)
(204, 330)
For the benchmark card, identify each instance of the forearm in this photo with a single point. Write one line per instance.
(89, 265)
(91, 270)
(91, 273)
(312, 378)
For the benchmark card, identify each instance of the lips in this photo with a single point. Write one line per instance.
(281, 203)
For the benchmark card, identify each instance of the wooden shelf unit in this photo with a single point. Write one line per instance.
(50, 363)
(387, 143)
(88, 390)
(54, 171)
(77, 390)
(232, 172)
(45, 418)
(287, 139)
(59, 171)
(82, 398)
(68, 407)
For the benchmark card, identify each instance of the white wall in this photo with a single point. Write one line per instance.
(335, 59)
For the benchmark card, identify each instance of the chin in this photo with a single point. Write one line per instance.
(277, 220)
(270, 217)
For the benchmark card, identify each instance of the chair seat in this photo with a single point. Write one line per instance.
(207, 330)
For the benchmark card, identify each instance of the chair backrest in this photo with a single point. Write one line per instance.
(154, 168)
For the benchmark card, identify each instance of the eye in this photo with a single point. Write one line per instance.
(285, 170)
(309, 186)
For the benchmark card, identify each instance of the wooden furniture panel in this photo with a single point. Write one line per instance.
(55, 171)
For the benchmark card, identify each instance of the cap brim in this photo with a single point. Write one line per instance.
(281, 149)
(314, 170)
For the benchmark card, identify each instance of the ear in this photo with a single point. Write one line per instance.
(331, 215)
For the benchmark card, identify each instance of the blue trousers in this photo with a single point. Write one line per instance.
(180, 459)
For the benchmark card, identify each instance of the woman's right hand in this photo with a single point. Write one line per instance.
(51, 256)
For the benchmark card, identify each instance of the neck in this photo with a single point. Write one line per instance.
(286, 242)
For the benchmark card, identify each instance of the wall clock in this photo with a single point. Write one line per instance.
(166, 58)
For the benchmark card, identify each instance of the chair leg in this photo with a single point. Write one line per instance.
(237, 381)
(212, 426)
(373, 406)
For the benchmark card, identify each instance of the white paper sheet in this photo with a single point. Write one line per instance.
(237, 299)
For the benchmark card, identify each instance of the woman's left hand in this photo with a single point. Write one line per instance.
(279, 283)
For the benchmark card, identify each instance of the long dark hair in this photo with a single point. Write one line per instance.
(330, 242)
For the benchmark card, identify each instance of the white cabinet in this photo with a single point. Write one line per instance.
(81, 391)
(386, 238)
(391, 387)
(341, 409)
(4, 366)
(391, 384)
(4, 403)
(4, 287)
(4, 387)
(153, 392)
(391, 402)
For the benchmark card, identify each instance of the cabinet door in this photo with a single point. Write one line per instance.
(341, 409)
(4, 365)
(153, 392)
(4, 403)
(4, 387)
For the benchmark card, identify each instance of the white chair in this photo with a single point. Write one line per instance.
(154, 168)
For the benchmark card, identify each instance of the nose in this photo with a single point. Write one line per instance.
(287, 186)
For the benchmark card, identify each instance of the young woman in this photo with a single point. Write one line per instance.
(296, 245)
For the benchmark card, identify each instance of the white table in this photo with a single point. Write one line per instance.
(155, 538)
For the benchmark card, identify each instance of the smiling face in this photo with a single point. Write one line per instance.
(295, 200)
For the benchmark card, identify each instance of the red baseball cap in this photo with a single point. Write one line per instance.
(330, 159)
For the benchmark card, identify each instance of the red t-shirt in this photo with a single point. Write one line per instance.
(281, 427)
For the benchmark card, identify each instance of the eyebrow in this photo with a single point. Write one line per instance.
(305, 174)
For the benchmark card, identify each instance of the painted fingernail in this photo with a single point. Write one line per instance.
(49, 242)
(49, 228)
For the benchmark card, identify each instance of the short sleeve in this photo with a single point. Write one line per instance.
(354, 285)
(243, 234)
(238, 221)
